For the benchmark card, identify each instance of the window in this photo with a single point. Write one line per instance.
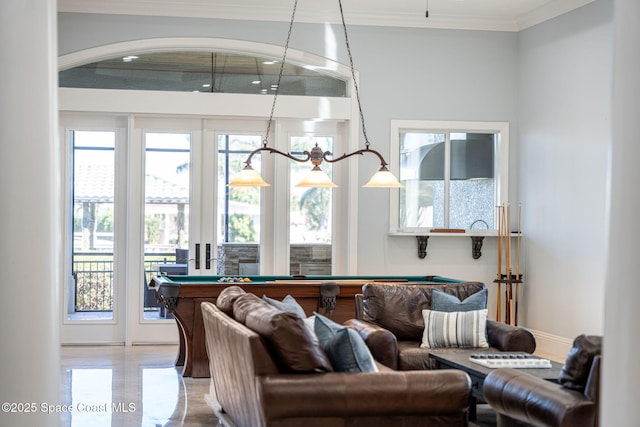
(192, 71)
(454, 173)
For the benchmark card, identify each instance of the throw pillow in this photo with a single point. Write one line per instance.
(288, 304)
(454, 329)
(310, 324)
(289, 340)
(577, 366)
(345, 348)
(441, 301)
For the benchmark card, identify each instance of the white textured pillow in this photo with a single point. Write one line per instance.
(454, 329)
(309, 323)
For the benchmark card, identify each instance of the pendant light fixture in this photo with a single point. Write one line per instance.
(248, 177)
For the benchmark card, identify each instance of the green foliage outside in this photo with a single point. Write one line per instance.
(241, 229)
(151, 229)
(314, 202)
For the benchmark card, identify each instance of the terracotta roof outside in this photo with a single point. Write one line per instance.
(95, 183)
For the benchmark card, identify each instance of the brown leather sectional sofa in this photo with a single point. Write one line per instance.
(389, 318)
(254, 383)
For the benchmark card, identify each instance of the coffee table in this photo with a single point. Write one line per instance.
(459, 359)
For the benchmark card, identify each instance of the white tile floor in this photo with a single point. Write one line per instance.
(130, 386)
(133, 386)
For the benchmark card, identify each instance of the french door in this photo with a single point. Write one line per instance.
(148, 196)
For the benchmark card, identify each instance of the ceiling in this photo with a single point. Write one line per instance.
(498, 15)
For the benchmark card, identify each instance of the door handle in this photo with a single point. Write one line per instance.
(197, 256)
(208, 256)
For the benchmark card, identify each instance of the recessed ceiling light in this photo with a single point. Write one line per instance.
(268, 62)
(256, 82)
(129, 58)
(206, 85)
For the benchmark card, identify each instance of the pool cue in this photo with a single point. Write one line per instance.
(498, 309)
(510, 266)
(518, 260)
(508, 287)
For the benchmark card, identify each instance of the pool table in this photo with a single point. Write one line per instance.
(182, 296)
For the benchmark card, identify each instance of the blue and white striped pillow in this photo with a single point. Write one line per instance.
(454, 329)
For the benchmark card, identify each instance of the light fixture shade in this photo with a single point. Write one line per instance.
(316, 178)
(383, 179)
(248, 177)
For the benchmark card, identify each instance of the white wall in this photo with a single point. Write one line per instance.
(564, 114)
(621, 345)
(30, 206)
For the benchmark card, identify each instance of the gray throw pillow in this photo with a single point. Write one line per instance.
(288, 304)
(441, 301)
(345, 348)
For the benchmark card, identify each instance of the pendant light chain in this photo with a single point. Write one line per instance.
(353, 75)
(284, 57)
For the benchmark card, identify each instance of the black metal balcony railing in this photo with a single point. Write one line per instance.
(93, 271)
(93, 275)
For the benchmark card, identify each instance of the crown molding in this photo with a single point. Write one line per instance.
(549, 11)
(316, 14)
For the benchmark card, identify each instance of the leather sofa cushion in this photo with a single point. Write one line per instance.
(398, 307)
(575, 372)
(285, 333)
(227, 297)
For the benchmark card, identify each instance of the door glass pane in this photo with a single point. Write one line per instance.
(238, 213)
(472, 187)
(422, 173)
(166, 209)
(310, 213)
(93, 225)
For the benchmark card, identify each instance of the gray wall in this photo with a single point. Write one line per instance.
(565, 122)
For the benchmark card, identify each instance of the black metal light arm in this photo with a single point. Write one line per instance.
(282, 153)
(383, 163)
(316, 155)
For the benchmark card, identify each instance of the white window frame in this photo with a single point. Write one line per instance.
(501, 129)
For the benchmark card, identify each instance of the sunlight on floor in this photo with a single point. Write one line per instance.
(130, 386)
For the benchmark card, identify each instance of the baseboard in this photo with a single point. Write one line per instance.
(552, 347)
(90, 344)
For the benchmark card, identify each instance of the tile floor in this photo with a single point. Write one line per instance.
(130, 386)
(139, 386)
